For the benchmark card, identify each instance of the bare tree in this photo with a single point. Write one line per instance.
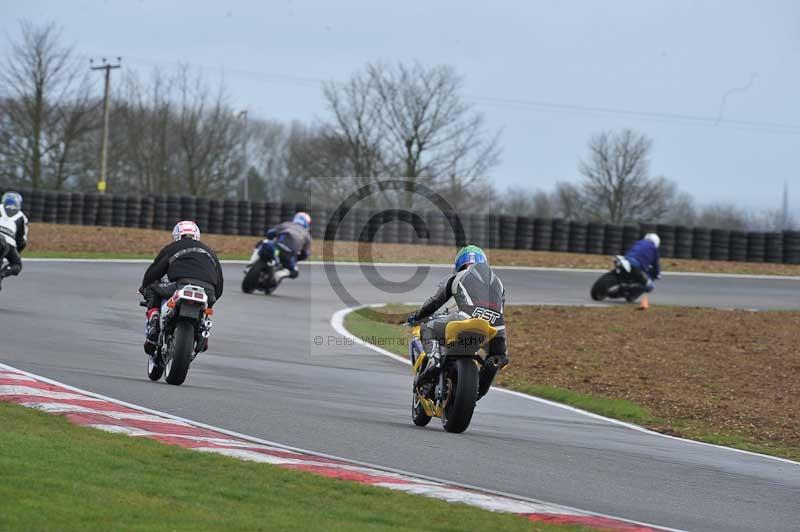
(617, 185)
(46, 110)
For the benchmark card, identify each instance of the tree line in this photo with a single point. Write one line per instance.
(174, 132)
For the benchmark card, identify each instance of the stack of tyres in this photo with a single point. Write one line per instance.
(230, 217)
(595, 238)
(560, 235)
(90, 208)
(133, 211)
(202, 212)
(319, 219)
(64, 208)
(645, 228)
(346, 225)
(258, 218)
(362, 224)
(405, 227)
(683, 242)
(216, 215)
(33, 205)
(375, 233)
(456, 229)
(508, 231)
(287, 211)
(791, 247)
(524, 238)
(189, 208)
(630, 234)
(105, 208)
(613, 240)
(492, 222)
(720, 244)
(667, 235)
(578, 232)
(119, 209)
(145, 220)
(173, 211)
(701, 243)
(437, 224)
(422, 233)
(476, 229)
(76, 211)
(273, 213)
(755, 246)
(542, 234)
(160, 219)
(50, 207)
(738, 246)
(245, 218)
(773, 247)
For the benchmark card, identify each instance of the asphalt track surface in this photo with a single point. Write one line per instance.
(79, 323)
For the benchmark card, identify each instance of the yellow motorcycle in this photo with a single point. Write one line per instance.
(446, 380)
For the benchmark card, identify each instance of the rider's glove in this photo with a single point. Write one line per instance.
(412, 319)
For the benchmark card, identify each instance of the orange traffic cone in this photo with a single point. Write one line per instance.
(645, 304)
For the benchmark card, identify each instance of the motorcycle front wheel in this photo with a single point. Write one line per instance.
(182, 347)
(250, 281)
(154, 371)
(418, 415)
(463, 393)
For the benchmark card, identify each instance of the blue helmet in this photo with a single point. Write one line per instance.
(302, 219)
(12, 202)
(470, 255)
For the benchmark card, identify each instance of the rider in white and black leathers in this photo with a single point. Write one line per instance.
(477, 292)
(13, 233)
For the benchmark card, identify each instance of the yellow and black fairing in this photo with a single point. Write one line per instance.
(462, 338)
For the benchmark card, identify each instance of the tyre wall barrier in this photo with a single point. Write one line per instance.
(560, 235)
(755, 246)
(701, 243)
(542, 234)
(613, 240)
(630, 234)
(524, 239)
(577, 237)
(491, 230)
(791, 247)
(667, 235)
(720, 244)
(773, 247)
(595, 238)
(683, 242)
(737, 247)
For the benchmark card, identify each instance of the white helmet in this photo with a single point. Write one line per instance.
(654, 238)
(185, 228)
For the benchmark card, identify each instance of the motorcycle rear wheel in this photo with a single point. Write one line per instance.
(600, 287)
(460, 406)
(182, 347)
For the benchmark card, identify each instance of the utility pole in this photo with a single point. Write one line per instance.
(108, 67)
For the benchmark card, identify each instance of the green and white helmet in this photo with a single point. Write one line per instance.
(470, 255)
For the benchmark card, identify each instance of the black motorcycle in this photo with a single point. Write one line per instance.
(261, 274)
(621, 282)
(185, 329)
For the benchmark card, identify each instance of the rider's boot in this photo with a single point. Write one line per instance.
(152, 331)
(491, 366)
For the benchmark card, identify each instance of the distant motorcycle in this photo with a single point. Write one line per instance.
(261, 274)
(185, 329)
(620, 282)
(446, 380)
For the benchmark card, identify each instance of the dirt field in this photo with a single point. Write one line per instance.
(75, 239)
(729, 377)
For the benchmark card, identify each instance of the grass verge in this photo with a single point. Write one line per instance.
(75, 241)
(58, 476)
(725, 377)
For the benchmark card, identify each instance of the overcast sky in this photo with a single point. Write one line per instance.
(714, 83)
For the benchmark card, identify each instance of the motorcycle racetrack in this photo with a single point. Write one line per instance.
(276, 370)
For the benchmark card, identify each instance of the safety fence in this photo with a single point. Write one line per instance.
(234, 217)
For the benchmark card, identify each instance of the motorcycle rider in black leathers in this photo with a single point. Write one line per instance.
(293, 242)
(477, 292)
(185, 261)
(13, 233)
